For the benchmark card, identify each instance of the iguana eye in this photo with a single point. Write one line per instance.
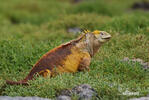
(101, 33)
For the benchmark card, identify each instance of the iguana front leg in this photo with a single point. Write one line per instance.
(45, 73)
(85, 63)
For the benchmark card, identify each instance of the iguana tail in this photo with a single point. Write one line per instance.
(16, 83)
(22, 82)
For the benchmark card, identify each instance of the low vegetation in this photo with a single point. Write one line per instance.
(28, 29)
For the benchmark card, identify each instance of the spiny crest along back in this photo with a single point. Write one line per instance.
(88, 31)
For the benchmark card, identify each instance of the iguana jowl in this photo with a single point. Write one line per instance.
(70, 57)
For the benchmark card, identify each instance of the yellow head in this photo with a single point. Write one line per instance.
(101, 36)
(93, 40)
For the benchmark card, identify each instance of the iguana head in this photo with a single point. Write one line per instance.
(101, 36)
(93, 40)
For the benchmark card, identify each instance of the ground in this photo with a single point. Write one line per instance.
(28, 29)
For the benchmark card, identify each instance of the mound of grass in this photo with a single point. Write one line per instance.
(103, 7)
(134, 23)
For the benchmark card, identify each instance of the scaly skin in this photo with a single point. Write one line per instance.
(70, 57)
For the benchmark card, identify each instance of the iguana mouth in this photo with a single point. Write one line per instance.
(107, 38)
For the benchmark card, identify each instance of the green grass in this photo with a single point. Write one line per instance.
(28, 29)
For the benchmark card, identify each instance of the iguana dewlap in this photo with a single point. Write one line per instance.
(70, 57)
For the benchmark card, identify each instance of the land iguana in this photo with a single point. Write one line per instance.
(70, 57)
